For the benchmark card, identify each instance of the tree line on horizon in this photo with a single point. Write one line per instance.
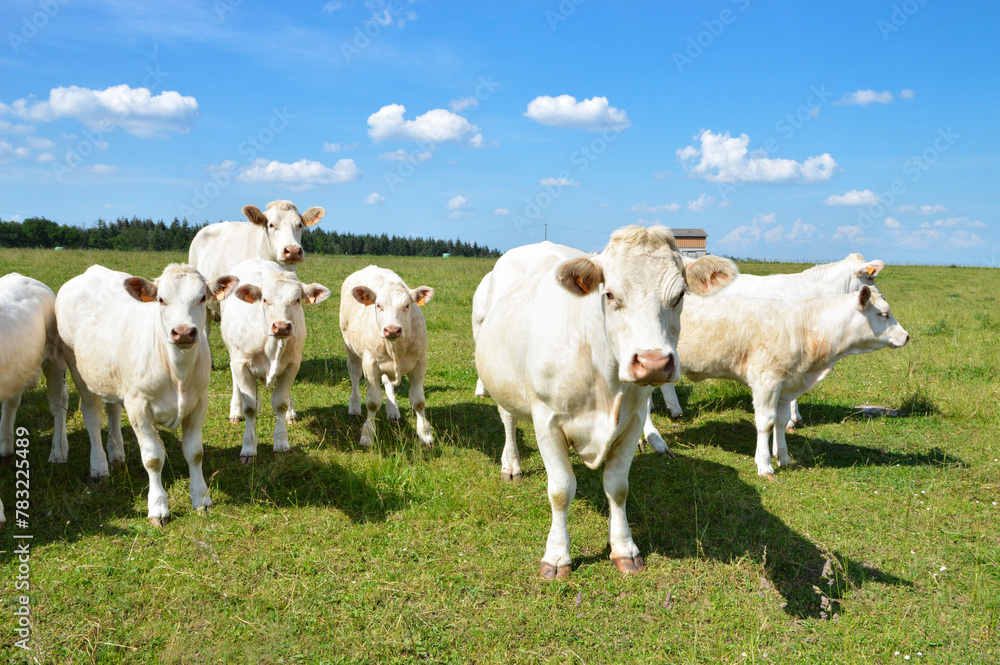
(146, 235)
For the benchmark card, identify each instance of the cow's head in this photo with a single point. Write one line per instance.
(181, 294)
(282, 296)
(283, 225)
(862, 272)
(641, 281)
(876, 327)
(393, 304)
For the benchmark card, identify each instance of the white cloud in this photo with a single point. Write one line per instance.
(387, 12)
(8, 152)
(557, 182)
(374, 199)
(907, 94)
(865, 97)
(564, 111)
(101, 169)
(706, 202)
(954, 223)
(893, 224)
(801, 232)
(46, 157)
(864, 197)
(9, 128)
(338, 147)
(39, 143)
(463, 103)
(302, 174)
(655, 210)
(924, 209)
(761, 227)
(136, 110)
(401, 155)
(501, 211)
(722, 158)
(458, 203)
(663, 175)
(331, 7)
(854, 235)
(437, 125)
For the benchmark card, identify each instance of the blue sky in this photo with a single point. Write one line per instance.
(802, 131)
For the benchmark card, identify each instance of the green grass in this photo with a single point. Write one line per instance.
(882, 539)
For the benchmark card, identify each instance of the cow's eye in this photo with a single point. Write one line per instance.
(610, 296)
(264, 300)
(378, 306)
(204, 298)
(161, 300)
(677, 301)
(884, 315)
(406, 307)
(271, 226)
(299, 301)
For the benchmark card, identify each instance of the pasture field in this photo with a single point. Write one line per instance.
(881, 543)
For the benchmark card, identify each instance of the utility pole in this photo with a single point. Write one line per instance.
(546, 230)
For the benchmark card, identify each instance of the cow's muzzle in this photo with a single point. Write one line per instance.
(392, 332)
(292, 254)
(281, 329)
(653, 368)
(183, 336)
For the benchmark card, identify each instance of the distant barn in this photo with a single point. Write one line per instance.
(691, 242)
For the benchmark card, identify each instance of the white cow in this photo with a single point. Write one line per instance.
(264, 329)
(479, 304)
(828, 279)
(576, 343)
(28, 344)
(780, 348)
(386, 338)
(140, 344)
(275, 235)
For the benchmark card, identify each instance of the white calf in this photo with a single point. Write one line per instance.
(140, 344)
(264, 329)
(386, 338)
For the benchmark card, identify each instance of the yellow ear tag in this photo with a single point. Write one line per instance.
(420, 303)
(582, 286)
(220, 294)
(871, 270)
(146, 297)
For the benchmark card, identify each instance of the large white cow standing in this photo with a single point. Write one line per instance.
(576, 343)
(28, 344)
(780, 348)
(386, 338)
(140, 344)
(264, 329)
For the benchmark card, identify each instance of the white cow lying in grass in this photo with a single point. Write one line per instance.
(576, 343)
(140, 344)
(264, 329)
(386, 338)
(780, 348)
(28, 344)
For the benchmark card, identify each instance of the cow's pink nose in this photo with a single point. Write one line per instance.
(653, 367)
(392, 332)
(281, 328)
(184, 334)
(292, 253)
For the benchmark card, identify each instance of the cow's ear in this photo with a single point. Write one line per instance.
(870, 269)
(363, 295)
(709, 274)
(313, 215)
(223, 286)
(249, 293)
(141, 289)
(315, 293)
(864, 297)
(580, 276)
(421, 295)
(254, 214)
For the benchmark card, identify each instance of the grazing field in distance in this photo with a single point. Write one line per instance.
(882, 542)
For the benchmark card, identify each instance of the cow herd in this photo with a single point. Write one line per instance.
(574, 342)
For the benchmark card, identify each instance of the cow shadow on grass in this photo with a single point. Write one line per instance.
(701, 509)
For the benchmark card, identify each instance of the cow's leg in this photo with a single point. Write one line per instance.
(795, 418)
(236, 403)
(9, 411)
(480, 388)
(373, 401)
(247, 386)
(354, 370)
(116, 445)
(194, 453)
(418, 402)
(510, 460)
(670, 398)
(291, 416)
(624, 552)
(556, 564)
(54, 369)
(652, 435)
(281, 402)
(780, 449)
(765, 409)
(93, 418)
(153, 456)
(391, 406)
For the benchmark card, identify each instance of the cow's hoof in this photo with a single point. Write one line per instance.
(798, 423)
(201, 511)
(235, 421)
(6, 460)
(100, 478)
(666, 452)
(789, 429)
(509, 477)
(768, 476)
(117, 463)
(628, 565)
(281, 454)
(365, 442)
(247, 459)
(549, 572)
(353, 415)
(159, 521)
